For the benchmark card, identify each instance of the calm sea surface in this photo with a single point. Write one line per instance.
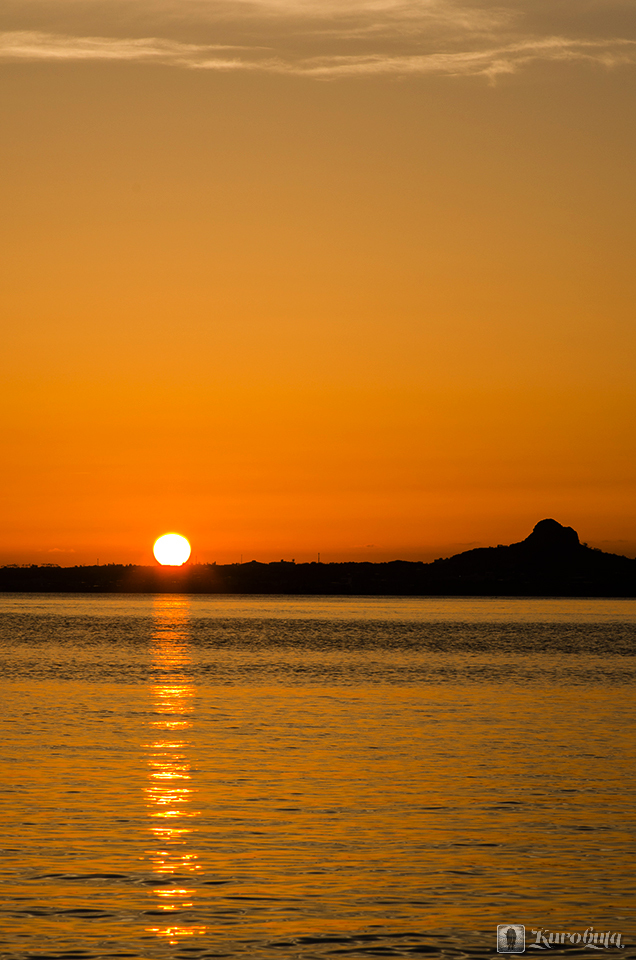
(314, 777)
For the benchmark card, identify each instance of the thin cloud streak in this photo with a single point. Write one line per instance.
(34, 45)
(491, 62)
(371, 14)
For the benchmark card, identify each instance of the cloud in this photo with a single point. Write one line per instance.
(328, 39)
(371, 14)
(489, 61)
(34, 45)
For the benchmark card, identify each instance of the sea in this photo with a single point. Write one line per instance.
(273, 777)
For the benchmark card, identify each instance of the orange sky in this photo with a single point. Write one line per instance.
(292, 276)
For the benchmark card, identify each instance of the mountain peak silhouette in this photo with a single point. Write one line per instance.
(550, 535)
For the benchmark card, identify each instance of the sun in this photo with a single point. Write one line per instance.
(171, 550)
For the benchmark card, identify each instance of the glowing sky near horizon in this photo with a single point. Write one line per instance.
(300, 276)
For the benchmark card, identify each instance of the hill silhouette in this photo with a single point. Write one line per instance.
(551, 561)
(551, 557)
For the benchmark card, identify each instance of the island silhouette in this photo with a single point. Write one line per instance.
(551, 562)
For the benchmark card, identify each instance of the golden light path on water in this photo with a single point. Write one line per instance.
(170, 791)
(301, 777)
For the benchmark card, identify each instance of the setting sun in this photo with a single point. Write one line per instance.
(171, 550)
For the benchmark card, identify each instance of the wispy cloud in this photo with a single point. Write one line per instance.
(490, 61)
(34, 45)
(371, 13)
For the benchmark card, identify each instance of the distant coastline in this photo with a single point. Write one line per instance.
(551, 561)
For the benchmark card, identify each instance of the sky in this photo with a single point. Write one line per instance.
(304, 277)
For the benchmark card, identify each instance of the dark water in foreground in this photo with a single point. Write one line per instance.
(271, 778)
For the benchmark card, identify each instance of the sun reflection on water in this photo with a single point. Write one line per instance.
(170, 790)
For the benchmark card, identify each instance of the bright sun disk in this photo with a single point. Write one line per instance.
(172, 549)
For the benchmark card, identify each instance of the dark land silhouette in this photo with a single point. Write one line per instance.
(550, 562)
